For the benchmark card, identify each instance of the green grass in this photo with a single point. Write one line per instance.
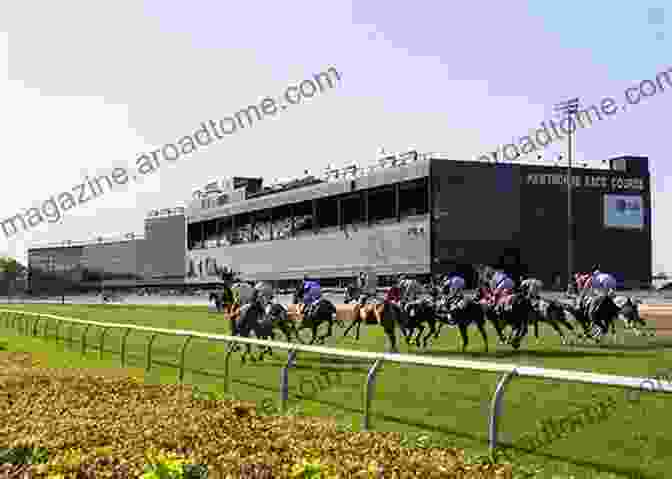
(437, 406)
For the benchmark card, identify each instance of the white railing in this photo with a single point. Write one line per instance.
(21, 321)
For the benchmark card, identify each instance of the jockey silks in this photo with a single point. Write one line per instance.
(455, 283)
(393, 295)
(502, 281)
(604, 281)
(311, 292)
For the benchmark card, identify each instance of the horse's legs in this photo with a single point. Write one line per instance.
(465, 336)
(314, 331)
(357, 313)
(494, 320)
(481, 327)
(421, 328)
(391, 336)
(330, 330)
(563, 320)
(352, 325)
(431, 332)
(438, 330)
(557, 329)
(408, 329)
(248, 350)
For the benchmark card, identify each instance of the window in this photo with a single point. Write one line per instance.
(224, 231)
(262, 225)
(327, 212)
(282, 222)
(194, 235)
(303, 217)
(243, 232)
(381, 204)
(210, 233)
(413, 198)
(352, 210)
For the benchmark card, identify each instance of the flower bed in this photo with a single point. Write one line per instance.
(101, 425)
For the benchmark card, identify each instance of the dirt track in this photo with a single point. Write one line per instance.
(660, 317)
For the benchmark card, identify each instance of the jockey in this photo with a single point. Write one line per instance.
(312, 294)
(368, 284)
(264, 292)
(409, 289)
(603, 283)
(583, 282)
(393, 294)
(453, 288)
(531, 287)
(501, 286)
(453, 285)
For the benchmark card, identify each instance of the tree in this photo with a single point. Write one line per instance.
(11, 267)
(9, 270)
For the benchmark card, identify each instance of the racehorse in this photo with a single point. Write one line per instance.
(629, 312)
(250, 319)
(462, 311)
(515, 310)
(323, 312)
(386, 314)
(597, 315)
(552, 313)
(419, 312)
(351, 294)
(279, 318)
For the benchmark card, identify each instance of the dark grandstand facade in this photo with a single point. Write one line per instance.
(416, 214)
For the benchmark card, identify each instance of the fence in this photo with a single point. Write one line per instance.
(21, 321)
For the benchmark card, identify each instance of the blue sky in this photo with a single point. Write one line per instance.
(86, 86)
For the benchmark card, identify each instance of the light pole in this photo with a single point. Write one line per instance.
(569, 109)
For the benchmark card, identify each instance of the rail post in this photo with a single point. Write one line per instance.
(496, 407)
(370, 382)
(182, 353)
(229, 350)
(46, 327)
(148, 366)
(284, 380)
(86, 330)
(102, 342)
(35, 323)
(123, 347)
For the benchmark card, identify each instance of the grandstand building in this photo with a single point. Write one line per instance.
(411, 213)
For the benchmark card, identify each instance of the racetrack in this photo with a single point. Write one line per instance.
(659, 316)
(443, 403)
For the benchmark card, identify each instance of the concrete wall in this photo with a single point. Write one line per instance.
(163, 253)
(112, 258)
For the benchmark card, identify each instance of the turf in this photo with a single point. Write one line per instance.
(437, 405)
